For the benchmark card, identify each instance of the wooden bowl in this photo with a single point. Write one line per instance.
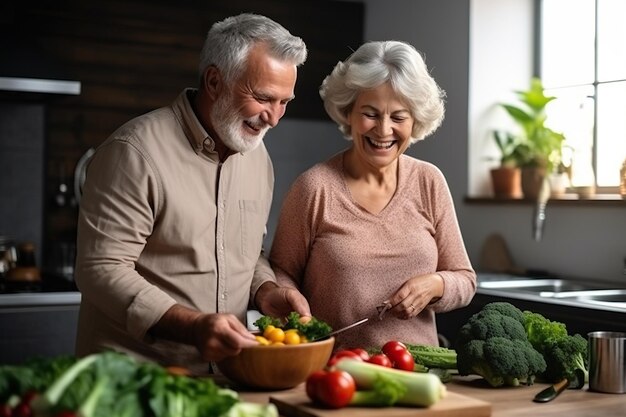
(276, 367)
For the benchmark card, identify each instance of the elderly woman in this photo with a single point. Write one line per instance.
(372, 227)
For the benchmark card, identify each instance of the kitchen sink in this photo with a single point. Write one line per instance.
(596, 294)
(544, 287)
(613, 297)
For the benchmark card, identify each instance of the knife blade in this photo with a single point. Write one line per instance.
(343, 329)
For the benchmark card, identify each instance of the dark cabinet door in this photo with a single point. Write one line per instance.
(37, 332)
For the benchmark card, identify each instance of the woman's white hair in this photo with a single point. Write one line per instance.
(374, 64)
(229, 41)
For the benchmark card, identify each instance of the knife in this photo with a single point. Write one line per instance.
(577, 381)
(343, 329)
(551, 392)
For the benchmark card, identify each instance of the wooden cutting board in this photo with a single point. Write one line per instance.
(297, 404)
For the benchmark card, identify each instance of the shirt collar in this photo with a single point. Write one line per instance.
(198, 137)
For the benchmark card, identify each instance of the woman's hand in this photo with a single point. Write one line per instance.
(415, 294)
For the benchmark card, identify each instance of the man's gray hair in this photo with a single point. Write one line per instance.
(229, 41)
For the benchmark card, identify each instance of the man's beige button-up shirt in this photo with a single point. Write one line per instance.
(161, 222)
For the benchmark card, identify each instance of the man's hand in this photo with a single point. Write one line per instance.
(276, 301)
(216, 336)
(220, 335)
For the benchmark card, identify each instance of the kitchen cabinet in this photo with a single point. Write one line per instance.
(38, 324)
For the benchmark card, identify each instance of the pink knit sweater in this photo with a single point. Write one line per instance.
(346, 260)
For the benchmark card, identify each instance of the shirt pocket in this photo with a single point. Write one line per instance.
(252, 228)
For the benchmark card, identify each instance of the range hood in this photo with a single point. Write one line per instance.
(39, 85)
(26, 69)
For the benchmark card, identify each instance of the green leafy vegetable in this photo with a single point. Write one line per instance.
(114, 384)
(34, 375)
(565, 355)
(444, 374)
(433, 356)
(386, 391)
(265, 321)
(312, 329)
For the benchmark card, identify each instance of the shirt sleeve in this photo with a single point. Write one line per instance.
(453, 265)
(117, 213)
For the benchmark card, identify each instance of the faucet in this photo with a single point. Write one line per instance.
(539, 216)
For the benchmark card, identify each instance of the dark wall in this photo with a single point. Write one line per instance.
(132, 56)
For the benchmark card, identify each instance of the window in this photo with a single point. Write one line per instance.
(582, 61)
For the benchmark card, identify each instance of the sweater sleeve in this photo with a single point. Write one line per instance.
(453, 263)
(295, 231)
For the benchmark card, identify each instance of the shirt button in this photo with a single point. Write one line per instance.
(223, 296)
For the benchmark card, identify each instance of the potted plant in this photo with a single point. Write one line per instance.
(506, 178)
(538, 147)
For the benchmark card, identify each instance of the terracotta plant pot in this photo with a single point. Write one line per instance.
(506, 182)
(532, 180)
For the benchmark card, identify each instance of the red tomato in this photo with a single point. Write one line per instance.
(336, 389)
(342, 354)
(402, 359)
(22, 410)
(28, 396)
(5, 410)
(312, 384)
(362, 353)
(380, 359)
(392, 346)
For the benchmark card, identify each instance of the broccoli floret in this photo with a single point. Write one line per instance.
(506, 309)
(566, 358)
(493, 344)
(540, 330)
(565, 355)
(491, 322)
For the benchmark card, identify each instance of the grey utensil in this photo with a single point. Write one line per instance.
(343, 329)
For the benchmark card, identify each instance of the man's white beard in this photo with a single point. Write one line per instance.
(228, 125)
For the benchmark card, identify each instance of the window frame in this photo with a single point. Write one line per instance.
(537, 65)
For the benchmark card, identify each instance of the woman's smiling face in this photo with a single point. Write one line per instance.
(381, 126)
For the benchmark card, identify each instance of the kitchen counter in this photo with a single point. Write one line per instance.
(512, 401)
(39, 299)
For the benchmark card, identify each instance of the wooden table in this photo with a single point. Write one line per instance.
(517, 401)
